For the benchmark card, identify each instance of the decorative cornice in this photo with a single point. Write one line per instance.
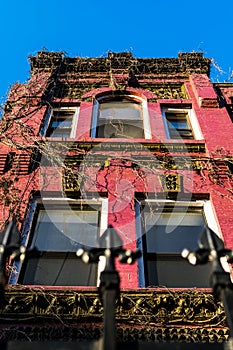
(162, 308)
(187, 315)
(186, 63)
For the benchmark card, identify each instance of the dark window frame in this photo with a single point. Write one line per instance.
(9, 162)
(59, 112)
(49, 254)
(166, 257)
(175, 116)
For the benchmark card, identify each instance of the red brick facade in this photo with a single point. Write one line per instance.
(121, 169)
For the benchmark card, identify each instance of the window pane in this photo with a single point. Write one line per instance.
(59, 270)
(120, 110)
(178, 125)
(172, 232)
(63, 115)
(168, 231)
(58, 233)
(179, 121)
(61, 124)
(60, 230)
(120, 118)
(177, 273)
(117, 129)
(61, 133)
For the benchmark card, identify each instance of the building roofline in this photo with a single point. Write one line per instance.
(185, 63)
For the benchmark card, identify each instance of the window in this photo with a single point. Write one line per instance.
(9, 161)
(177, 123)
(58, 230)
(165, 229)
(120, 117)
(60, 122)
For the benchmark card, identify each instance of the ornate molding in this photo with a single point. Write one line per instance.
(185, 63)
(168, 90)
(151, 314)
(89, 332)
(158, 306)
(77, 89)
(151, 161)
(75, 173)
(71, 181)
(106, 146)
(171, 182)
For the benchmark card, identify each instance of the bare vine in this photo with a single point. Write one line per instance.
(59, 79)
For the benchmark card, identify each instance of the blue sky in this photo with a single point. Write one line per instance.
(91, 28)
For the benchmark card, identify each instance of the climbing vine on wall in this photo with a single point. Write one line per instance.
(55, 77)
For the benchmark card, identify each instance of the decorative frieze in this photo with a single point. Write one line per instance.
(148, 315)
(157, 307)
(79, 335)
(167, 90)
(151, 161)
(77, 89)
(183, 148)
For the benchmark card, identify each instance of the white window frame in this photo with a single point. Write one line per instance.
(27, 229)
(49, 116)
(208, 214)
(197, 135)
(145, 114)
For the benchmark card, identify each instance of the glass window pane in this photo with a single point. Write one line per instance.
(59, 133)
(168, 231)
(58, 233)
(117, 129)
(178, 124)
(59, 270)
(61, 124)
(63, 115)
(177, 273)
(120, 110)
(60, 230)
(172, 232)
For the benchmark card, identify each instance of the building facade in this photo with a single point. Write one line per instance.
(141, 145)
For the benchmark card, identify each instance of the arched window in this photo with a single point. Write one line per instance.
(120, 116)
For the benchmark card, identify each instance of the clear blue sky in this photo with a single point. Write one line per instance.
(151, 28)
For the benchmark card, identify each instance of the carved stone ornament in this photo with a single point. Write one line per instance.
(71, 181)
(148, 314)
(77, 89)
(171, 182)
